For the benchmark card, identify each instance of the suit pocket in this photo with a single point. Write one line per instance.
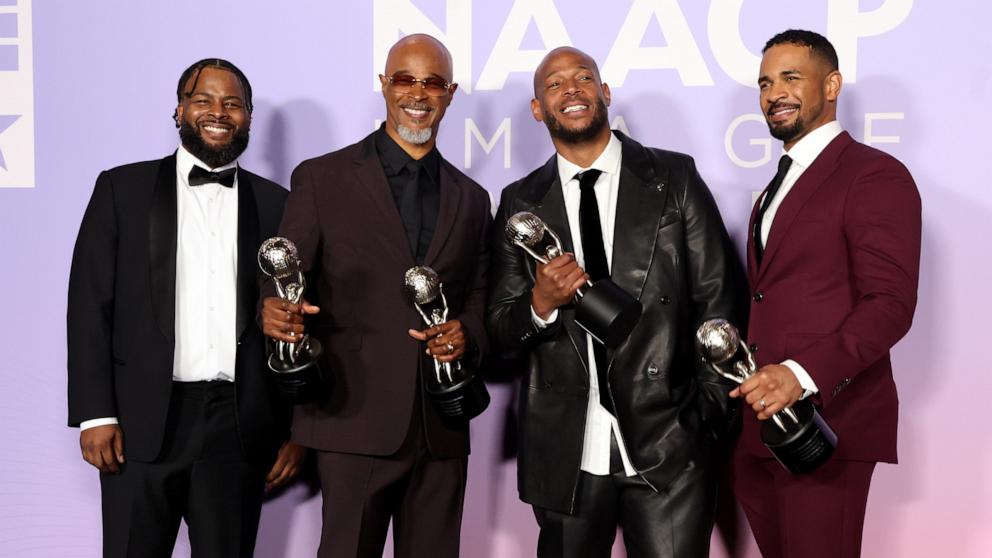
(669, 219)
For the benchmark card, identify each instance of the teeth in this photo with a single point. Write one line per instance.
(215, 129)
(416, 113)
(574, 108)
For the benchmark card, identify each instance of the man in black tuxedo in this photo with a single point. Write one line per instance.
(167, 375)
(622, 436)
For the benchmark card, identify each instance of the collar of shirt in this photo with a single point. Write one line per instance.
(608, 162)
(394, 159)
(186, 160)
(809, 148)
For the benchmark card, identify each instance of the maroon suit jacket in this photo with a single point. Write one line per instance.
(344, 221)
(836, 289)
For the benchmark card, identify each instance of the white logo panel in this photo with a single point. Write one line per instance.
(17, 101)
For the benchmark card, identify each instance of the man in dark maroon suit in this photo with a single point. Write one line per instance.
(833, 263)
(361, 217)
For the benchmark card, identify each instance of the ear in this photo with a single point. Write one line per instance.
(535, 109)
(451, 91)
(606, 93)
(179, 115)
(832, 85)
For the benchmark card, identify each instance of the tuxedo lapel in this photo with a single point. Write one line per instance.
(372, 180)
(451, 196)
(810, 181)
(162, 231)
(248, 243)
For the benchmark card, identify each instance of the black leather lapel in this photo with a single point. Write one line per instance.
(162, 232)
(451, 197)
(641, 198)
(248, 242)
(551, 209)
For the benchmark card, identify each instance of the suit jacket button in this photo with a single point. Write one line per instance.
(665, 299)
(752, 347)
(758, 296)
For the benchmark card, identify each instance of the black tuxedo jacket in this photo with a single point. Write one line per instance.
(342, 216)
(671, 251)
(121, 312)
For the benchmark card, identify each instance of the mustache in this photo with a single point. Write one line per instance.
(780, 105)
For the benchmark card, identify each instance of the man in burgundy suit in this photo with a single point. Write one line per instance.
(361, 217)
(833, 264)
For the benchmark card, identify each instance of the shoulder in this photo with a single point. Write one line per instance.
(135, 171)
(265, 188)
(333, 161)
(465, 182)
(866, 157)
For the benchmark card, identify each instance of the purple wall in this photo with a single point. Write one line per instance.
(85, 86)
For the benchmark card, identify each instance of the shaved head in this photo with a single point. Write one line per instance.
(420, 45)
(542, 70)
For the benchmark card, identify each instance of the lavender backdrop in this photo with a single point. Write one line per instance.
(85, 86)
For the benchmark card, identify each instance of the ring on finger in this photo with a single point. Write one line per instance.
(451, 348)
(762, 403)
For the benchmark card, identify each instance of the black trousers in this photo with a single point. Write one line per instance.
(201, 476)
(675, 522)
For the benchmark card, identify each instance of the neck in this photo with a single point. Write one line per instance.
(416, 151)
(584, 153)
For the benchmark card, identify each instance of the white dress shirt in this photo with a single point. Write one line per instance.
(206, 279)
(599, 422)
(803, 153)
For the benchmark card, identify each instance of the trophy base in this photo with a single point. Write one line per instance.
(608, 313)
(300, 382)
(804, 446)
(463, 401)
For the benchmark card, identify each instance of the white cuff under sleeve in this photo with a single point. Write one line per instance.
(97, 422)
(805, 380)
(542, 324)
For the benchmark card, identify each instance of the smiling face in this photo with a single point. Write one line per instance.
(798, 92)
(213, 119)
(570, 98)
(413, 115)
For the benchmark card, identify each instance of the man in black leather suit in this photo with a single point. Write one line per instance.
(632, 446)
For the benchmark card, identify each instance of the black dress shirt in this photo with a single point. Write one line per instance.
(401, 169)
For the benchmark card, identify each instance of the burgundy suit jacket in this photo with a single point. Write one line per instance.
(836, 289)
(345, 223)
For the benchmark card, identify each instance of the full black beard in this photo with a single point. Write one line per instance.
(788, 133)
(210, 156)
(581, 135)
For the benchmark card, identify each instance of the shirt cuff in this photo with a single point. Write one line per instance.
(805, 380)
(86, 424)
(543, 324)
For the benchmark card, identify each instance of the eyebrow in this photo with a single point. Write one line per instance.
(782, 73)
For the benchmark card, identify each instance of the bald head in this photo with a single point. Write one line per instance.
(551, 61)
(420, 47)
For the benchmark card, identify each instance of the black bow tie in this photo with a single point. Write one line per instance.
(199, 176)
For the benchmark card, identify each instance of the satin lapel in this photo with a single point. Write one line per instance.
(811, 180)
(451, 197)
(640, 207)
(372, 179)
(551, 209)
(162, 232)
(248, 243)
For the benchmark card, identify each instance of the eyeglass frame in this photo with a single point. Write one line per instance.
(423, 83)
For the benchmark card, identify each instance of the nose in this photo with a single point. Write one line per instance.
(217, 109)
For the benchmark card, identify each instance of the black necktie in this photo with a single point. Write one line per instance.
(199, 176)
(410, 209)
(766, 200)
(596, 266)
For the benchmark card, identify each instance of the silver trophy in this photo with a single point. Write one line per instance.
(295, 364)
(798, 436)
(457, 391)
(603, 309)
